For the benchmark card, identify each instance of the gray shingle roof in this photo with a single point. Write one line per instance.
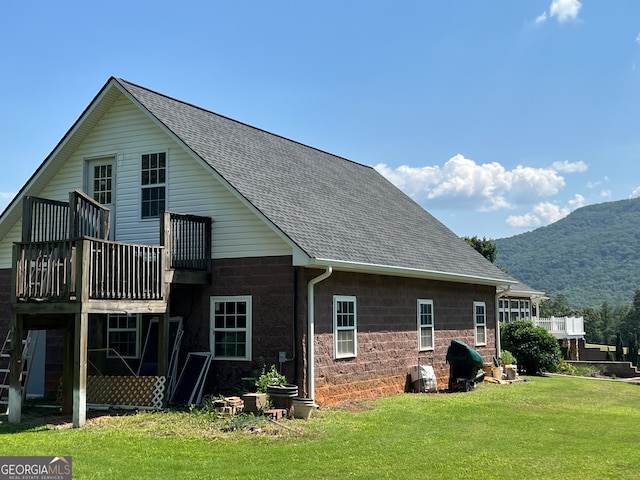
(330, 207)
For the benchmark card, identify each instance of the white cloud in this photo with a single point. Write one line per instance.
(638, 38)
(463, 183)
(635, 193)
(562, 10)
(565, 10)
(606, 193)
(576, 202)
(545, 213)
(541, 18)
(570, 167)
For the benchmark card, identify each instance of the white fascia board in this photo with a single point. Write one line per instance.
(408, 272)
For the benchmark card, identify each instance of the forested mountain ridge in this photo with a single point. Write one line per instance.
(591, 256)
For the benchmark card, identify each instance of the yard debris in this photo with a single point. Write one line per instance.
(229, 405)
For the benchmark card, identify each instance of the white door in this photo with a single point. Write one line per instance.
(101, 186)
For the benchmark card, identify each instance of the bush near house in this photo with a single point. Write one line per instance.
(536, 349)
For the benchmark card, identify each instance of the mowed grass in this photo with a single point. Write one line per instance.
(547, 428)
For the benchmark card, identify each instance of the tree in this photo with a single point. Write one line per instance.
(631, 320)
(593, 325)
(632, 349)
(536, 349)
(619, 348)
(556, 307)
(485, 247)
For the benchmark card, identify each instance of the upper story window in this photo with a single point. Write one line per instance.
(425, 325)
(344, 326)
(480, 322)
(153, 178)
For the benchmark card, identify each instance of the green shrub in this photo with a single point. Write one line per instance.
(508, 358)
(566, 368)
(271, 377)
(587, 371)
(536, 349)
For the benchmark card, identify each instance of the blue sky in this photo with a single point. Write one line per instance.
(497, 117)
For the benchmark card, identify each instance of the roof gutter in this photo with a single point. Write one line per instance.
(311, 371)
(410, 272)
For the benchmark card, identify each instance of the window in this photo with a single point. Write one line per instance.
(123, 332)
(154, 175)
(425, 324)
(103, 183)
(344, 326)
(231, 328)
(480, 320)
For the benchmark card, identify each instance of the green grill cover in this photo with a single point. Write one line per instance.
(462, 354)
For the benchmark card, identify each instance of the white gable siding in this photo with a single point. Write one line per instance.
(126, 132)
(14, 235)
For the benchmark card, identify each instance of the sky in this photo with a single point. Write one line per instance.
(497, 117)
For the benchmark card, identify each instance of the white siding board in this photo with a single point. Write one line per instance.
(6, 246)
(126, 132)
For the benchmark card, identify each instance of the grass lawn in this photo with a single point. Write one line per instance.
(551, 427)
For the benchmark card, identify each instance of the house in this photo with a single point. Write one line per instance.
(522, 302)
(290, 256)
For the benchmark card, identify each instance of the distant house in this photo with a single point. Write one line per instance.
(270, 251)
(519, 302)
(522, 302)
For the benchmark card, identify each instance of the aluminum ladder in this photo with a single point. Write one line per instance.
(29, 344)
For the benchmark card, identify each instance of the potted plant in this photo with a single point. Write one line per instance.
(276, 387)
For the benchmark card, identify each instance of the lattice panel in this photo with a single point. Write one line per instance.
(144, 391)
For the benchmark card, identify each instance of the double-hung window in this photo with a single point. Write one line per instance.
(425, 325)
(231, 328)
(480, 322)
(153, 182)
(123, 333)
(344, 326)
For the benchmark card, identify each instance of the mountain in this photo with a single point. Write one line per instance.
(591, 256)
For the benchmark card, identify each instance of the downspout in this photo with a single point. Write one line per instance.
(311, 331)
(498, 344)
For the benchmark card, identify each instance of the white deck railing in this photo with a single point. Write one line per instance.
(562, 327)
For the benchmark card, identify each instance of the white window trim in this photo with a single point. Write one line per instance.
(248, 329)
(112, 353)
(422, 327)
(336, 329)
(165, 184)
(480, 325)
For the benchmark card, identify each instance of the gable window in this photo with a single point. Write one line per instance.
(425, 325)
(344, 326)
(153, 178)
(480, 322)
(123, 333)
(231, 328)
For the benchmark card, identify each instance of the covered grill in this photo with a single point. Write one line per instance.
(465, 367)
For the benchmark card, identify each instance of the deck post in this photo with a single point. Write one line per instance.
(80, 332)
(15, 370)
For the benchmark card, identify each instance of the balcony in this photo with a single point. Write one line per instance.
(562, 327)
(65, 257)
